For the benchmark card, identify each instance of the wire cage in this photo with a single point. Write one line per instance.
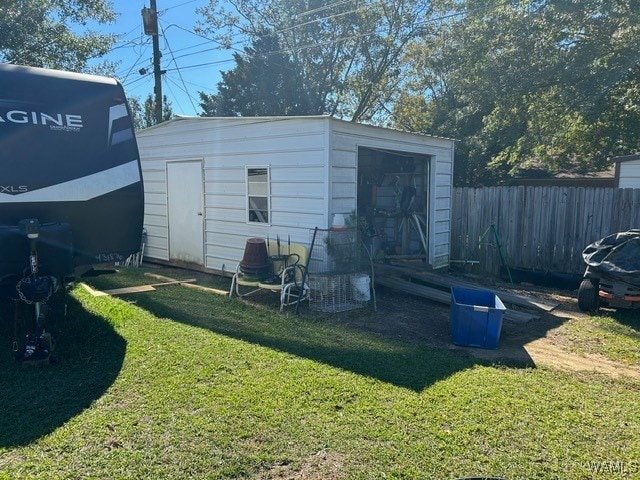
(337, 272)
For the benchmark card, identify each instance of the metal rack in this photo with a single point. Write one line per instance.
(338, 278)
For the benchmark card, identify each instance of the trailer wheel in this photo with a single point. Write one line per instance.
(588, 295)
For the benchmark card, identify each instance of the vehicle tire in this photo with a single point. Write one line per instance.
(588, 295)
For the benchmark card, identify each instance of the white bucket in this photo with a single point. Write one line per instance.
(361, 287)
(338, 221)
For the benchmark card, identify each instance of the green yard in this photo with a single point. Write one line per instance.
(179, 383)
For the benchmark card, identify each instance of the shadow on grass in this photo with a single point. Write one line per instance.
(628, 317)
(36, 400)
(410, 365)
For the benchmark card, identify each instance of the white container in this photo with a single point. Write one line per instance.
(338, 221)
(361, 287)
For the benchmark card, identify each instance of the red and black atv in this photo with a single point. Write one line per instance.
(612, 277)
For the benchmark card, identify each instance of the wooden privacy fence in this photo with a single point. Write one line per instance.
(541, 228)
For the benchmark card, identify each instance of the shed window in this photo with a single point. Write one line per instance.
(258, 191)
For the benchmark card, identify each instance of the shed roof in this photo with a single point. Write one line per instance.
(627, 158)
(182, 118)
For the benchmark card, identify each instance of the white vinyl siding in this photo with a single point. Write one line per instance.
(312, 174)
(629, 174)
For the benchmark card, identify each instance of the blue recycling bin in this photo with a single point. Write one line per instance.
(476, 317)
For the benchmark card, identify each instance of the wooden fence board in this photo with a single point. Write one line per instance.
(541, 228)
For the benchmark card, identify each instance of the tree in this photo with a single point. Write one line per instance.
(144, 115)
(348, 53)
(549, 85)
(264, 82)
(40, 32)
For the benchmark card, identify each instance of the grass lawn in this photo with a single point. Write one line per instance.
(179, 383)
(612, 334)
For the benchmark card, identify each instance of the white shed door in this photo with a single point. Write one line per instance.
(185, 204)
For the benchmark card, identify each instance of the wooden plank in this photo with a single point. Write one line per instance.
(569, 240)
(205, 289)
(458, 245)
(516, 207)
(607, 227)
(442, 297)
(558, 231)
(92, 292)
(555, 227)
(511, 221)
(527, 224)
(122, 291)
(596, 231)
(581, 216)
(448, 281)
(138, 288)
(188, 283)
(146, 288)
(618, 213)
(167, 279)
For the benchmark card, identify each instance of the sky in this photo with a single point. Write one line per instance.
(192, 62)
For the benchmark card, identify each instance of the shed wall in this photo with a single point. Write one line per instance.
(302, 153)
(294, 151)
(348, 137)
(629, 174)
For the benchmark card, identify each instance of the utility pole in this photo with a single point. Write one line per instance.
(150, 22)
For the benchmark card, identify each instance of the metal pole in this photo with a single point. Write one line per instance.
(156, 66)
(305, 272)
(150, 20)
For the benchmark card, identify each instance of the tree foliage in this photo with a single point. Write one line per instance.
(544, 85)
(347, 53)
(265, 81)
(40, 32)
(144, 113)
(525, 86)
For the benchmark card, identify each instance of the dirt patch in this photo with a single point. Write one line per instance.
(535, 343)
(545, 353)
(321, 465)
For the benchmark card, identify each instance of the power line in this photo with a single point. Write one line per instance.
(139, 79)
(207, 64)
(316, 44)
(320, 9)
(204, 87)
(179, 73)
(191, 97)
(289, 50)
(161, 12)
(193, 33)
(132, 67)
(232, 46)
(302, 14)
(175, 97)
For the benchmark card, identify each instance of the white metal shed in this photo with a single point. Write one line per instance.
(212, 183)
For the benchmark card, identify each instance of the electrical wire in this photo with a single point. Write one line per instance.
(178, 69)
(191, 97)
(168, 83)
(232, 46)
(315, 44)
(320, 9)
(176, 6)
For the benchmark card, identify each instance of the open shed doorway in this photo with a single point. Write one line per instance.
(393, 202)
